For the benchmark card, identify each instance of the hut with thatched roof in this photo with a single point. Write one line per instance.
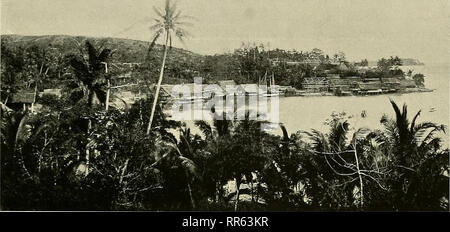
(22, 100)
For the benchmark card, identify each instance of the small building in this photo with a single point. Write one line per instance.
(333, 76)
(353, 78)
(123, 71)
(286, 90)
(306, 61)
(54, 92)
(336, 85)
(22, 100)
(406, 83)
(369, 88)
(167, 92)
(250, 89)
(315, 84)
(223, 84)
(370, 79)
(390, 84)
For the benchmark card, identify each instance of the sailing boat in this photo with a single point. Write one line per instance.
(262, 85)
(272, 90)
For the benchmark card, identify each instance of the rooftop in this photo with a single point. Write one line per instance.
(23, 97)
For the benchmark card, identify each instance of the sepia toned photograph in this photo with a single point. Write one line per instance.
(209, 105)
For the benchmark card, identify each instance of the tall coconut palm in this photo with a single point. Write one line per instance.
(89, 72)
(168, 23)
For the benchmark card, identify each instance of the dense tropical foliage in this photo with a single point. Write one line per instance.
(230, 165)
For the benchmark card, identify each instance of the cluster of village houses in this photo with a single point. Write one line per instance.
(331, 84)
(355, 85)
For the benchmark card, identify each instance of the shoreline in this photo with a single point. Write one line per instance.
(329, 94)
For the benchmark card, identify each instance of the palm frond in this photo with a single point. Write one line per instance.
(361, 133)
(404, 112)
(170, 9)
(79, 67)
(433, 144)
(92, 53)
(169, 20)
(319, 140)
(180, 16)
(177, 16)
(158, 12)
(22, 133)
(285, 133)
(184, 137)
(179, 24)
(398, 114)
(101, 94)
(190, 167)
(205, 128)
(155, 38)
(104, 55)
(181, 33)
(432, 129)
(413, 122)
(157, 27)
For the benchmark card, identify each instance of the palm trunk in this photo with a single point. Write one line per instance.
(161, 73)
(123, 171)
(236, 203)
(107, 96)
(40, 153)
(360, 178)
(87, 149)
(25, 174)
(17, 150)
(191, 196)
(251, 188)
(257, 195)
(93, 98)
(216, 197)
(108, 86)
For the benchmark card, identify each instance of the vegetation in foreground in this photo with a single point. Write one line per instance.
(77, 156)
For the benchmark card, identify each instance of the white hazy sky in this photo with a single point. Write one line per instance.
(360, 28)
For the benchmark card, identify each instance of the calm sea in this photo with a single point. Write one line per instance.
(306, 113)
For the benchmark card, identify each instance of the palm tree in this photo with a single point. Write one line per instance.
(235, 149)
(334, 146)
(413, 145)
(408, 138)
(15, 134)
(186, 163)
(167, 23)
(175, 159)
(217, 136)
(89, 72)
